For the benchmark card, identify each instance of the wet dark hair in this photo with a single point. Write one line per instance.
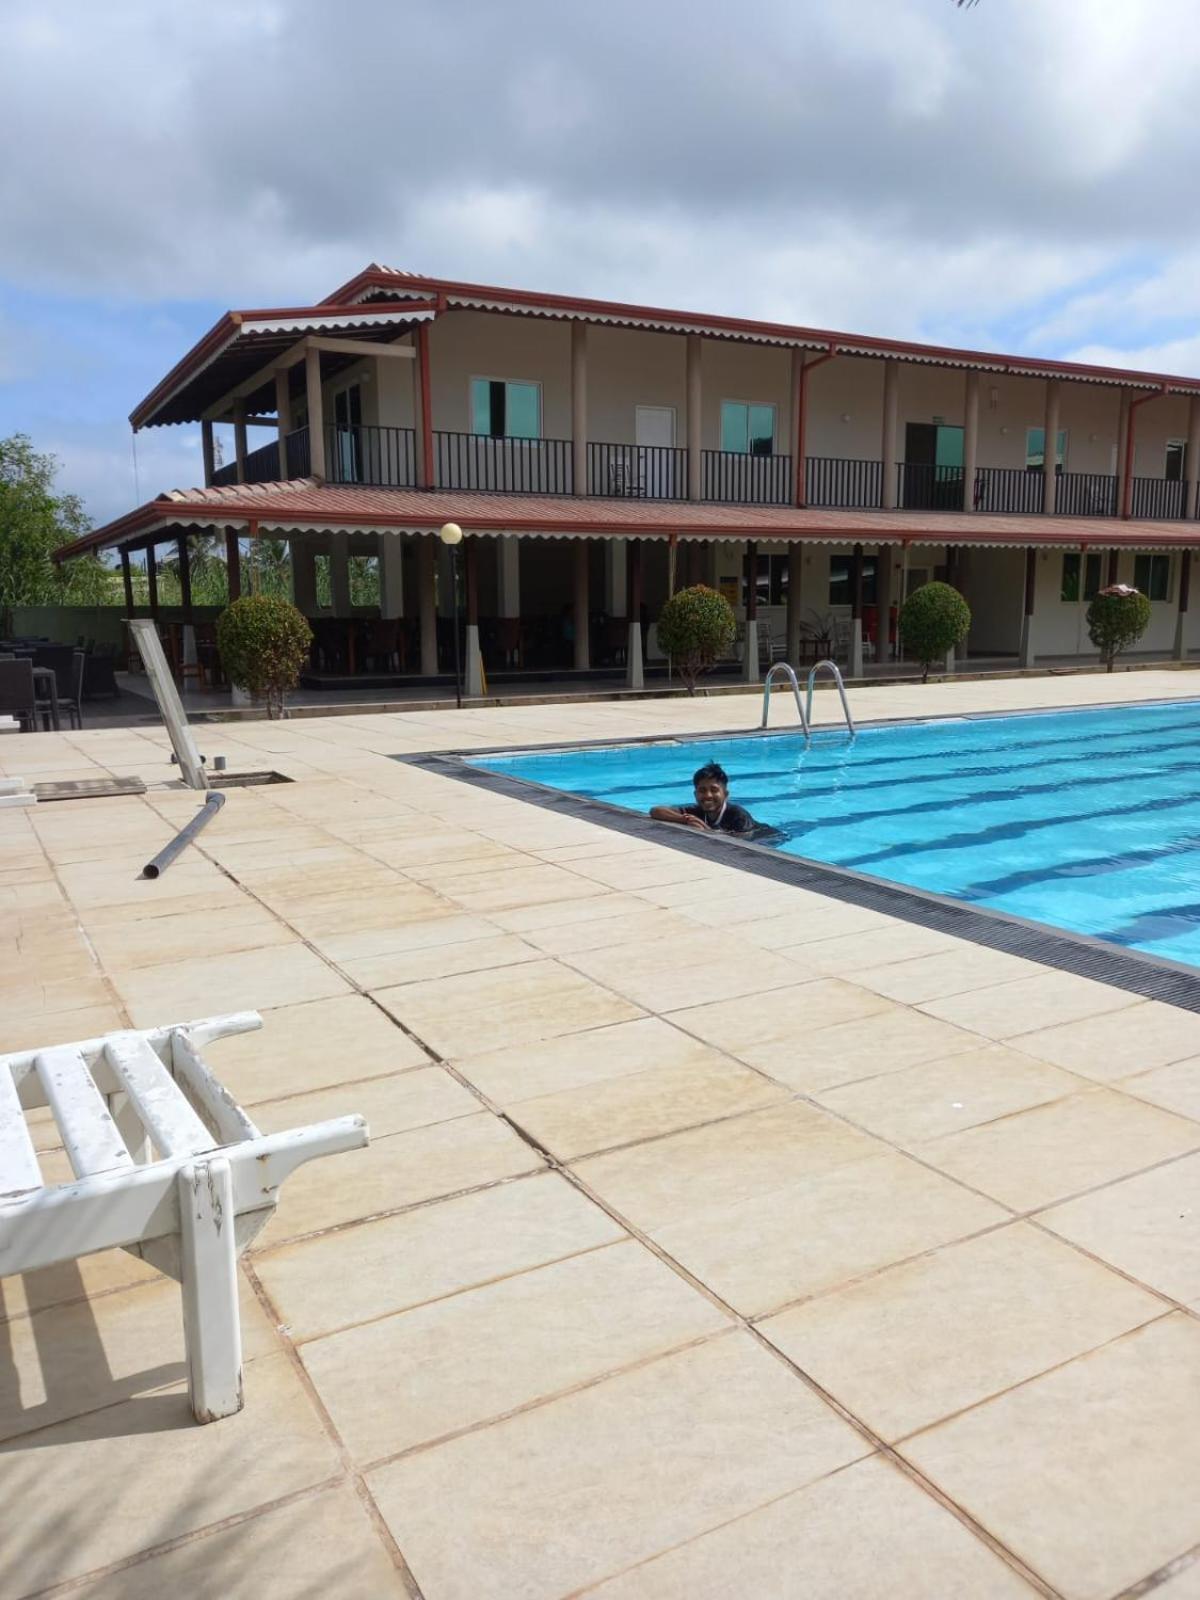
(710, 770)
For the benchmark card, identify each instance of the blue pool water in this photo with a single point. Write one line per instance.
(1085, 820)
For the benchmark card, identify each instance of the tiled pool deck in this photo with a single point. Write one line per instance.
(715, 1239)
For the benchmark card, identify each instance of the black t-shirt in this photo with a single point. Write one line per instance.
(733, 819)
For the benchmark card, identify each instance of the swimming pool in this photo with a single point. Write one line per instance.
(1085, 820)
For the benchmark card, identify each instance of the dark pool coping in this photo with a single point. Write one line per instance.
(1152, 977)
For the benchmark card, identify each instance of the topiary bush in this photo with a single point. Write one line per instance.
(932, 621)
(1116, 619)
(696, 628)
(264, 642)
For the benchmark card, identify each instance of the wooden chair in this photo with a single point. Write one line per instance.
(167, 1166)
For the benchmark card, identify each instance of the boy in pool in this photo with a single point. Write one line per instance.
(712, 809)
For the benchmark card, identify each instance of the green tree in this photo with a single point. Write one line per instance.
(933, 620)
(696, 628)
(1117, 618)
(264, 643)
(34, 522)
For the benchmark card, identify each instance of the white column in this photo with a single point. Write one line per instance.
(888, 446)
(339, 573)
(583, 652)
(473, 664)
(795, 581)
(970, 439)
(391, 575)
(1050, 447)
(695, 415)
(883, 602)
(579, 427)
(427, 603)
(316, 412)
(1191, 465)
(239, 438)
(797, 388)
(206, 437)
(283, 412)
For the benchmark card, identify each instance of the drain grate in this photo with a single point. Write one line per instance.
(88, 788)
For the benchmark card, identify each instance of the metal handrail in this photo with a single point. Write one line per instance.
(782, 666)
(841, 689)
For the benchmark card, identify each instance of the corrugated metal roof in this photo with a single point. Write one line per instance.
(307, 506)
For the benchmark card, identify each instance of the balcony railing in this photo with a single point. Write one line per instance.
(507, 466)
(924, 486)
(1012, 489)
(299, 462)
(638, 471)
(384, 458)
(843, 481)
(1158, 498)
(260, 466)
(1086, 494)
(745, 479)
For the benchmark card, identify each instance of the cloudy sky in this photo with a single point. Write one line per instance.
(1017, 175)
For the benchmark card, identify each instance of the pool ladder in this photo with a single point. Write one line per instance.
(804, 707)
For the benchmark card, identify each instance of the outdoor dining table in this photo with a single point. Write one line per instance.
(45, 676)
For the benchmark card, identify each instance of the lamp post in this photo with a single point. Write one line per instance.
(451, 535)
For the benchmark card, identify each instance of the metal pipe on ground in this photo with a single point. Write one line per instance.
(164, 858)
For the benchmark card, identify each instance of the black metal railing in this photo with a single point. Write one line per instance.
(1086, 494)
(260, 466)
(638, 471)
(843, 481)
(224, 475)
(1158, 498)
(924, 486)
(508, 466)
(384, 458)
(741, 479)
(1015, 489)
(299, 461)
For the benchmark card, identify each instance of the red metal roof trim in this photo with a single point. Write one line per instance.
(307, 505)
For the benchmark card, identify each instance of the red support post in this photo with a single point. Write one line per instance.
(801, 421)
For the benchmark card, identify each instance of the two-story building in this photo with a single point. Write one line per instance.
(598, 454)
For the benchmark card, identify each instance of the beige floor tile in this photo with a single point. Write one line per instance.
(824, 1231)
(936, 1335)
(1131, 1040)
(708, 1169)
(939, 1097)
(59, 1027)
(640, 926)
(642, 1105)
(578, 1059)
(250, 980)
(745, 1026)
(71, 1359)
(561, 913)
(414, 1099)
(887, 1040)
(866, 1533)
(323, 1544)
(326, 917)
(405, 934)
(200, 1475)
(1101, 1491)
(815, 918)
(1175, 1087)
(938, 975)
(400, 1170)
(1035, 1157)
(71, 1280)
(519, 886)
(664, 976)
(156, 940)
(1184, 1584)
(1146, 1226)
(568, 1493)
(848, 954)
(439, 961)
(435, 1371)
(472, 1013)
(312, 1046)
(335, 1281)
(1002, 1010)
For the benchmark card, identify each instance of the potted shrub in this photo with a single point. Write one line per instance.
(696, 628)
(264, 641)
(1116, 619)
(932, 621)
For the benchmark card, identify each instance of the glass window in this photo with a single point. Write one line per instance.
(506, 410)
(841, 589)
(772, 582)
(1035, 448)
(747, 429)
(1152, 575)
(1070, 577)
